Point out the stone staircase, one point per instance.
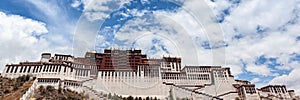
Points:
(93, 93)
(195, 92)
(226, 93)
(90, 91)
(30, 91)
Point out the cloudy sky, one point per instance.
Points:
(258, 39)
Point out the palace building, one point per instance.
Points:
(131, 73)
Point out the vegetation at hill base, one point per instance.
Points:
(50, 93)
(13, 89)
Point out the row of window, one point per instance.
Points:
(278, 89)
(27, 69)
(54, 68)
(118, 74)
(189, 76)
(81, 73)
(47, 81)
(220, 74)
(72, 84)
(199, 70)
(61, 58)
(250, 90)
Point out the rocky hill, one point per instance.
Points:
(50, 93)
(13, 89)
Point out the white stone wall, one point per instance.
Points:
(134, 86)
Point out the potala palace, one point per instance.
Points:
(131, 73)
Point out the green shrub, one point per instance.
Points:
(42, 90)
(6, 91)
(59, 90)
(109, 96)
(15, 87)
(130, 98)
(27, 77)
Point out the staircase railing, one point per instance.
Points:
(30, 91)
(92, 93)
(196, 92)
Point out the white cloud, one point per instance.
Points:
(99, 9)
(273, 43)
(76, 3)
(174, 33)
(49, 8)
(145, 33)
(259, 69)
(291, 80)
(59, 23)
(19, 39)
(23, 39)
(244, 20)
(254, 80)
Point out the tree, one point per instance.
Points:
(59, 90)
(171, 95)
(27, 77)
(33, 78)
(109, 96)
(42, 90)
(6, 91)
(130, 98)
(50, 88)
(16, 87)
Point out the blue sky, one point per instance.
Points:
(260, 38)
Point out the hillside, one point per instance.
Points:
(50, 93)
(13, 89)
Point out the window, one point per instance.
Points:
(56, 68)
(59, 68)
(16, 69)
(25, 69)
(8, 67)
(29, 67)
(12, 68)
(44, 68)
(21, 69)
(40, 67)
(65, 69)
(53, 68)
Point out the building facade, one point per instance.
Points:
(129, 72)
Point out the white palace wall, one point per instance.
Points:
(131, 85)
(148, 80)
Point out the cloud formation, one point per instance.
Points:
(21, 39)
(261, 37)
(255, 29)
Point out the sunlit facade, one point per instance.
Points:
(129, 72)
